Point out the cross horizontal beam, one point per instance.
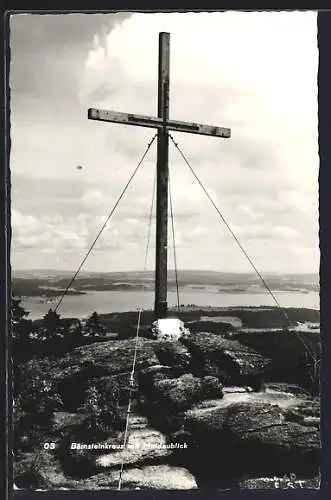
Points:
(154, 122)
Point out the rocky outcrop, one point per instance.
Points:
(179, 395)
(106, 363)
(206, 353)
(230, 361)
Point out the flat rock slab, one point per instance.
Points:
(234, 395)
(243, 419)
(234, 390)
(52, 477)
(157, 477)
(143, 445)
(288, 388)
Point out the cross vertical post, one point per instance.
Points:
(161, 254)
(163, 124)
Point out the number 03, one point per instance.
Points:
(49, 446)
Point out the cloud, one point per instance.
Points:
(70, 35)
(239, 73)
(93, 199)
(45, 234)
(55, 234)
(261, 232)
(198, 231)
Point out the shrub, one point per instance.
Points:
(35, 400)
(102, 411)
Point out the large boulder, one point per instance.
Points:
(252, 438)
(104, 364)
(277, 449)
(178, 394)
(165, 400)
(232, 362)
(149, 376)
(107, 358)
(175, 355)
(181, 393)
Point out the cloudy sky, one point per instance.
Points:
(253, 72)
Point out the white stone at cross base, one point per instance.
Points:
(169, 329)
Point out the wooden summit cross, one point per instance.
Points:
(163, 125)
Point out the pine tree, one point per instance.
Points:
(17, 311)
(21, 327)
(93, 326)
(51, 323)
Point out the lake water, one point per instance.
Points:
(80, 306)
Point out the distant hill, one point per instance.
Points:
(32, 282)
(184, 273)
